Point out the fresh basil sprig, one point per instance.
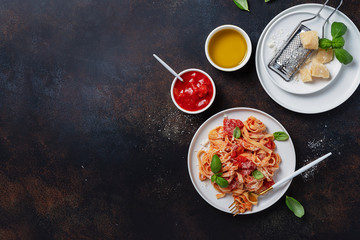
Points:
(257, 174)
(295, 206)
(280, 136)
(242, 4)
(237, 132)
(337, 43)
(215, 168)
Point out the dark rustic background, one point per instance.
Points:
(92, 147)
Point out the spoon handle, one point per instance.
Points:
(168, 67)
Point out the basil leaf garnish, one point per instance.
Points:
(242, 4)
(343, 56)
(295, 206)
(237, 132)
(325, 43)
(215, 164)
(257, 174)
(338, 42)
(219, 174)
(280, 136)
(213, 178)
(221, 182)
(338, 29)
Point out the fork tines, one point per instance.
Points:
(234, 208)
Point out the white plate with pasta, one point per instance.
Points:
(240, 158)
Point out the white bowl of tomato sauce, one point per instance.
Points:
(196, 93)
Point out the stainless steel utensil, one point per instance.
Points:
(289, 58)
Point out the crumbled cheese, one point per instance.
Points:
(205, 142)
(271, 44)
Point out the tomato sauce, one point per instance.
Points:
(195, 93)
(230, 125)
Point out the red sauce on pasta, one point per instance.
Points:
(230, 125)
(195, 93)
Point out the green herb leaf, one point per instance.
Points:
(257, 174)
(280, 136)
(325, 43)
(242, 4)
(215, 164)
(338, 42)
(222, 182)
(219, 174)
(343, 56)
(338, 29)
(237, 132)
(267, 0)
(295, 206)
(213, 178)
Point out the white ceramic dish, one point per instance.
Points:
(176, 79)
(248, 43)
(329, 97)
(285, 149)
(278, 33)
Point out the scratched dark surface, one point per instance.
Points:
(92, 147)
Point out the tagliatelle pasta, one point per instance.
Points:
(240, 157)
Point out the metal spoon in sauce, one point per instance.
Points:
(168, 68)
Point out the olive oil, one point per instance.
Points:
(227, 48)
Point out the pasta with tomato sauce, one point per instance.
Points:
(240, 157)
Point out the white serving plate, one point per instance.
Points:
(285, 149)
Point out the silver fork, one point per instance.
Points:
(234, 207)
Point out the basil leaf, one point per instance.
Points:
(237, 132)
(343, 56)
(222, 182)
(325, 43)
(213, 178)
(219, 174)
(257, 174)
(338, 29)
(338, 42)
(267, 0)
(295, 206)
(280, 136)
(242, 4)
(215, 164)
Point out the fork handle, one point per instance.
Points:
(297, 172)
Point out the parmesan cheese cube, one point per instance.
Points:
(309, 39)
(305, 75)
(324, 56)
(319, 70)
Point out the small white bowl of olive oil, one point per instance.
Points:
(228, 48)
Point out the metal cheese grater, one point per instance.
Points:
(292, 55)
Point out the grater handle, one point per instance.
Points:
(323, 26)
(316, 14)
